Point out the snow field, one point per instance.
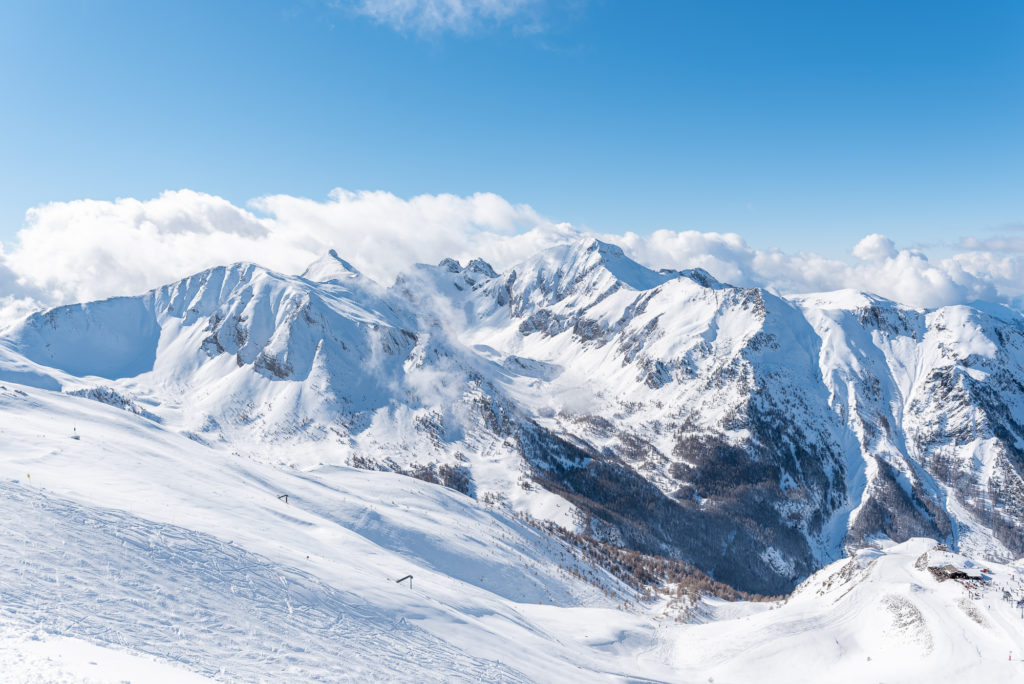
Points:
(140, 540)
(873, 618)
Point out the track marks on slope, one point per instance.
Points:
(109, 577)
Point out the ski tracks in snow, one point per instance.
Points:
(111, 578)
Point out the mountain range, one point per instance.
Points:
(754, 436)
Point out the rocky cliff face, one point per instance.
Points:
(754, 436)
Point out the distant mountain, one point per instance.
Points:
(754, 436)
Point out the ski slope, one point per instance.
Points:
(134, 538)
(132, 553)
(108, 575)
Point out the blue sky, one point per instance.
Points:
(801, 125)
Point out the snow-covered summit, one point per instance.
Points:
(584, 270)
(841, 299)
(330, 267)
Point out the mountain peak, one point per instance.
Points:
(330, 267)
(482, 267)
(450, 265)
(590, 253)
(592, 244)
(477, 266)
(699, 276)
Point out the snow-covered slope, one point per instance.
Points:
(132, 553)
(757, 437)
(133, 536)
(878, 616)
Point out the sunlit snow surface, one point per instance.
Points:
(877, 617)
(132, 553)
(138, 539)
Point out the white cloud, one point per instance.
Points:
(875, 247)
(906, 276)
(86, 249)
(383, 234)
(438, 16)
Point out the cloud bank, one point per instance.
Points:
(87, 249)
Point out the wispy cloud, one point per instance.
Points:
(87, 249)
(429, 17)
(998, 243)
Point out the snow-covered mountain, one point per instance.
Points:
(131, 553)
(756, 437)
